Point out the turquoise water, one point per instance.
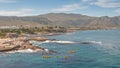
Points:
(104, 55)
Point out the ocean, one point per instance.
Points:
(81, 49)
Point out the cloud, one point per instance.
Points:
(117, 11)
(103, 3)
(8, 1)
(21, 12)
(107, 3)
(88, 0)
(67, 8)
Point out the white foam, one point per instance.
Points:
(66, 42)
(47, 41)
(63, 42)
(37, 42)
(46, 50)
(96, 42)
(25, 51)
(32, 41)
(22, 51)
(60, 42)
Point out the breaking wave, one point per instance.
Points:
(49, 41)
(23, 51)
(67, 42)
(63, 42)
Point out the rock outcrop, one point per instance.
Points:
(18, 44)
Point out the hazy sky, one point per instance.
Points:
(37, 7)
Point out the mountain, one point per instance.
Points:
(78, 20)
(61, 19)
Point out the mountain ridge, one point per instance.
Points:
(61, 19)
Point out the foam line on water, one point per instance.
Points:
(67, 42)
(64, 42)
(23, 51)
(49, 41)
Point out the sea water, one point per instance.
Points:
(102, 51)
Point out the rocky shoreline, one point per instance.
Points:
(20, 44)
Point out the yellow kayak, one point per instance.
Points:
(46, 56)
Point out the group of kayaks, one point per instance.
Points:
(65, 57)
